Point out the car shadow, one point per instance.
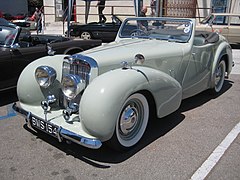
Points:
(103, 157)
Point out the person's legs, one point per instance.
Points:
(102, 18)
(100, 13)
(37, 27)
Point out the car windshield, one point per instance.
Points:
(7, 35)
(177, 30)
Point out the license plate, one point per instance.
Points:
(44, 126)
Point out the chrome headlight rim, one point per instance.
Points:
(72, 85)
(45, 76)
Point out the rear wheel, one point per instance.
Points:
(219, 76)
(132, 122)
(86, 35)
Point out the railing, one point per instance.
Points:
(108, 11)
(111, 11)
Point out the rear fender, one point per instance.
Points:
(104, 97)
(223, 49)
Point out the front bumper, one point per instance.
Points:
(62, 133)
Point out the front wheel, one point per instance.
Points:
(132, 122)
(219, 76)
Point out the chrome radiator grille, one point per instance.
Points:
(79, 68)
(84, 68)
(80, 65)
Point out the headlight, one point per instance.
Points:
(72, 85)
(45, 76)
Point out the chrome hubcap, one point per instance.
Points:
(85, 35)
(219, 76)
(128, 120)
(131, 119)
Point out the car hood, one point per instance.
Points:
(125, 50)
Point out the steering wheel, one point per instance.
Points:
(138, 32)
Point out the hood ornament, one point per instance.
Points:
(50, 50)
(125, 65)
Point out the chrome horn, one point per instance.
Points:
(49, 100)
(71, 109)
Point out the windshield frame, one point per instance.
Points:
(187, 23)
(10, 36)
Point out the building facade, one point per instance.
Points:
(56, 10)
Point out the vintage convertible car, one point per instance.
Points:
(95, 30)
(18, 49)
(105, 94)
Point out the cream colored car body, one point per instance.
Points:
(226, 24)
(171, 72)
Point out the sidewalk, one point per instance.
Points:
(53, 28)
(236, 59)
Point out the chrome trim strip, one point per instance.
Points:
(11, 87)
(86, 59)
(63, 133)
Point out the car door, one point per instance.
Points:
(22, 56)
(109, 30)
(197, 73)
(6, 69)
(105, 31)
(234, 29)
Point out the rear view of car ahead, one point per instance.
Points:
(105, 94)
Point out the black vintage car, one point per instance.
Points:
(97, 30)
(18, 50)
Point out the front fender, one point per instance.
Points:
(28, 90)
(104, 97)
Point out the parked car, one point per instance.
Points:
(27, 22)
(96, 30)
(20, 16)
(4, 22)
(17, 50)
(226, 24)
(105, 94)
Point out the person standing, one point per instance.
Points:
(143, 23)
(143, 11)
(153, 4)
(38, 19)
(101, 6)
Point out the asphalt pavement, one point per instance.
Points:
(199, 141)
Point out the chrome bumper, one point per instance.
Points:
(63, 133)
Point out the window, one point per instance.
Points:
(235, 21)
(220, 20)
